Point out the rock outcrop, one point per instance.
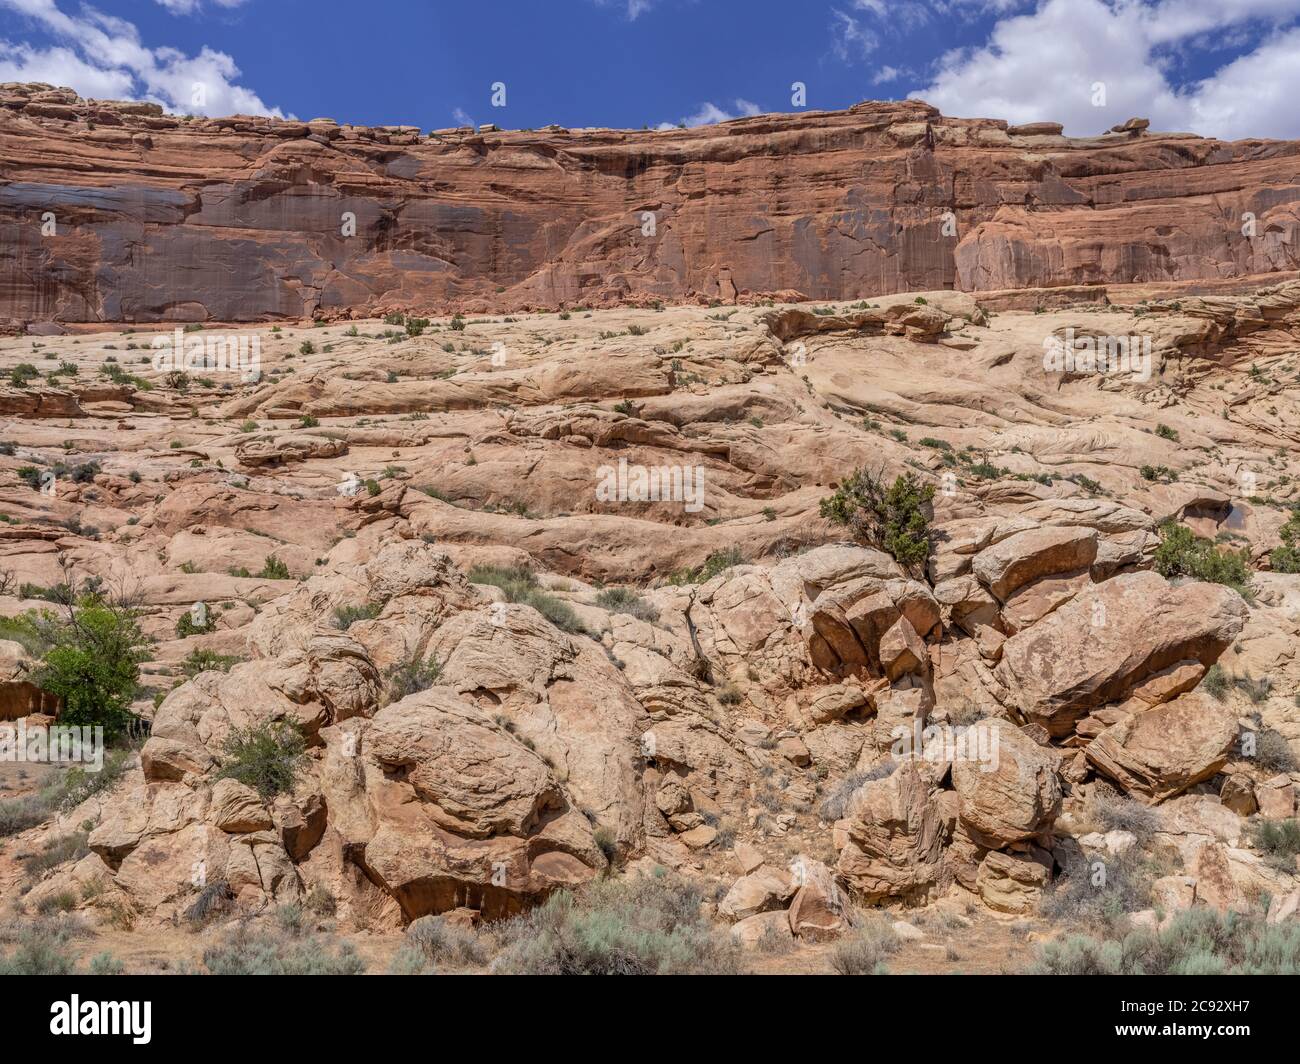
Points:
(253, 219)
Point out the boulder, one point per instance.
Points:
(902, 651)
(1238, 794)
(1109, 639)
(768, 932)
(1160, 753)
(1013, 795)
(896, 830)
(759, 892)
(238, 809)
(1012, 882)
(1033, 554)
(1276, 798)
(817, 912)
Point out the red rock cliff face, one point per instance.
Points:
(161, 218)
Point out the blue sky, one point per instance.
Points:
(1228, 68)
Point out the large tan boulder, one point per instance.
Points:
(471, 775)
(300, 819)
(1276, 798)
(19, 696)
(1030, 555)
(286, 448)
(1014, 793)
(901, 650)
(817, 911)
(769, 932)
(758, 892)
(966, 604)
(1110, 638)
(237, 808)
(896, 829)
(1012, 882)
(1161, 752)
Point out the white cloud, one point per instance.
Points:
(100, 55)
(849, 38)
(1173, 20)
(710, 114)
(59, 66)
(462, 117)
(633, 8)
(1044, 66)
(190, 7)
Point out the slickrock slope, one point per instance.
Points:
(741, 711)
(172, 218)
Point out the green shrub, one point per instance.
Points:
(865, 949)
(1078, 897)
(1166, 433)
(346, 616)
(651, 925)
(1183, 553)
(1114, 812)
(1279, 841)
(55, 852)
(106, 964)
(439, 942)
(43, 949)
(274, 569)
(1160, 474)
(1198, 941)
(1286, 558)
(93, 663)
(1215, 682)
(892, 517)
(266, 757)
(19, 814)
(67, 791)
(250, 950)
(625, 600)
(1272, 751)
(410, 677)
(187, 626)
(199, 661)
(714, 565)
(521, 585)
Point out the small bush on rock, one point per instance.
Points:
(266, 757)
(410, 677)
(521, 585)
(625, 600)
(1279, 841)
(1183, 553)
(892, 517)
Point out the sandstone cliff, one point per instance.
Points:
(171, 218)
